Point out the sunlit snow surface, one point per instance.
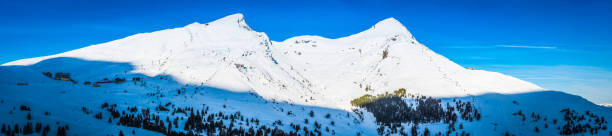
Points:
(227, 54)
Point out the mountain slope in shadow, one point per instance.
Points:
(106, 98)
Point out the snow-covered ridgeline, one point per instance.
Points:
(308, 70)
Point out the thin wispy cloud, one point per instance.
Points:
(502, 46)
(469, 47)
(478, 58)
(528, 46)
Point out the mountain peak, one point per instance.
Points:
(386, 27)
(389, 25)
(231, 20)
(233, 17)
(389, 22)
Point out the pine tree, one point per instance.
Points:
(311, 113)
(176, 122)
(27, 129)
(413, 130)
(16, 128)
(38, 127)
(46, 130)
(61, 131)
(169, 127)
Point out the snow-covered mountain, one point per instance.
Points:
(227, 54)
(228, 67)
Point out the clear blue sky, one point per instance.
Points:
(558, 44)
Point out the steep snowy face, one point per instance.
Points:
(383, 58)
(195, 54)
(307, 70)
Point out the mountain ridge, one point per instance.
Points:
(226, 53)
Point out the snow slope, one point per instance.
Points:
(65, 100)
(308, 70)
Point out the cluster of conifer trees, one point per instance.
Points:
(390, 110)
(30, 128)
(576, 123)
(204, 122)
(27, 129)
